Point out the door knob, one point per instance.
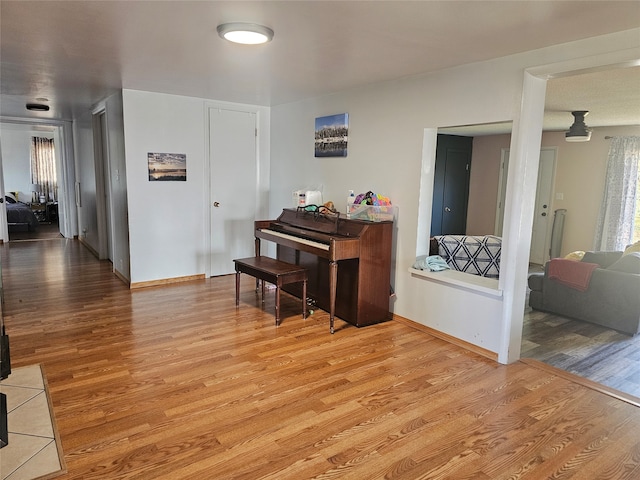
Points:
(447, 209)
(216, 204)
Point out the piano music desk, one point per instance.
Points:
(277, 272)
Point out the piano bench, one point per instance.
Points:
(273, 271)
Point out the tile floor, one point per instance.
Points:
(32, 451)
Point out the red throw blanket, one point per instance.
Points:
(571, 273)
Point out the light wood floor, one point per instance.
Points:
(175, 382)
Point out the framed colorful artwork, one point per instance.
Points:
(332, 134)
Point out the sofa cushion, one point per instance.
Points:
(577, 255)
(628, 263)
(604, 259)
(478, 255)
(634, 247)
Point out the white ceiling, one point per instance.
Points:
(74, 53)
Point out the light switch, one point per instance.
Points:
(559, 196)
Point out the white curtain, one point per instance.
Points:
(43, 168)
(614, 230)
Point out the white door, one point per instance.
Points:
(233, 183)
(543, 216)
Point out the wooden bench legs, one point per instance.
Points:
(273, 271)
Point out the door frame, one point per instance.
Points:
(65, 161)
(103, 186)
(502, 190)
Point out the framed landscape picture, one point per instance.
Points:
(167, 167)
(332, 134)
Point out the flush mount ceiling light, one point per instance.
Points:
(578, 132)
(245, 33)
(37, 107)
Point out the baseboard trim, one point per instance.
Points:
(447, 338)
(122, 278)
(612, 392)
(88, 247)
(166, 281)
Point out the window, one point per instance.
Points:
(618, 211)
(43, 169)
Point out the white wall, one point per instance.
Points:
(169, 221)
(386, 127)
(166, 227)
(484, 183)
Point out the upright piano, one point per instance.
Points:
(348, 261)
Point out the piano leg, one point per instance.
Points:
(257, 247)
(333, 281)
(237, 287)
(277, 304)
(304, 299)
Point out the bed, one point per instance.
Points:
(20, 214)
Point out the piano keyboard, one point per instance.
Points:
(311, 243)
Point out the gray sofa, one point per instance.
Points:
(612, 298)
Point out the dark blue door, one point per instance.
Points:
(451, 185)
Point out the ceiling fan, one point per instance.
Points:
(578, 132)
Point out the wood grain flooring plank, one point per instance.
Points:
(621, 465)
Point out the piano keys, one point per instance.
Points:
(348, 261)
(294, 239)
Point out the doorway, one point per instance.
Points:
(103, 186)
(542, 217)
(541, 232)
(30, 212)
